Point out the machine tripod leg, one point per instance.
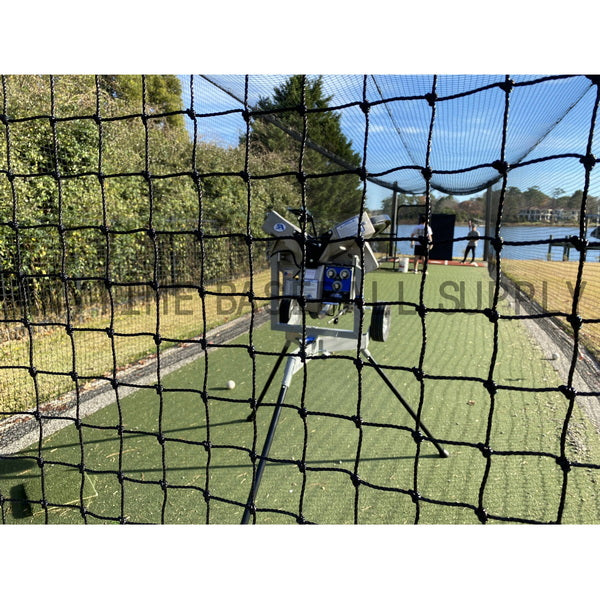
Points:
(270, 378)
(443, 453)
(292, 366)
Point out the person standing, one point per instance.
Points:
(472, 239)
(422, 240)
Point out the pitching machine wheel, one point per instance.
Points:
(285, 310)
(380, 323)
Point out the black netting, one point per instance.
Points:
(135, 281)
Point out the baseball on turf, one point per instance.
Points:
(230, 384)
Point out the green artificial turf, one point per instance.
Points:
(202, 470)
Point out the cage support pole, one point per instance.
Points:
(488, 225)
(394, 227)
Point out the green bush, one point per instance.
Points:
(90, 188)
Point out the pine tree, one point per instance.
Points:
(332, 198)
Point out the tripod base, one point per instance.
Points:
(293, 365)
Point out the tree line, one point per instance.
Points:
(516, 203)
(100, 178)
(90, 166)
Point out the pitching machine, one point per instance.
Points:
(315, 281)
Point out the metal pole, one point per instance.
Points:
(488, 224)
(393, 231)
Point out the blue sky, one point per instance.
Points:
(545, 119)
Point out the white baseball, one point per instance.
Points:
(230, 384)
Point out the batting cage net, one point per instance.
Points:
(299, 299)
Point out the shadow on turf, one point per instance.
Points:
(20, 464)
(21, 507)
(17, 497)
(128, 436)
(283, 463)
(16, 464)
(390, 271)
(287, 463)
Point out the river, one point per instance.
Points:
(512, 233)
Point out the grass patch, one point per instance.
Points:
(200, 470)
(552, 285)
(90, 352)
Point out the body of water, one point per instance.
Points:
(518, 233)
